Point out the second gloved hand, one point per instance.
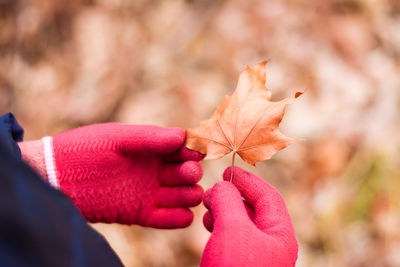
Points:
(253, 232)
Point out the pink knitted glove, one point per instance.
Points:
(256, 231)
(127, 174)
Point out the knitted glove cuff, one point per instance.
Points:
(50, 162)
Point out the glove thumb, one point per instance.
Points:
(226, 205)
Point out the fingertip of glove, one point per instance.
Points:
(187, 219)
(206, 198)
(179, 132)
(192, 154)
(175, 137)
(222, 190)
(191, 172)
(196, 192)
(179, 218)
(184, 154)
(165, 218)
(208, 221)
(227, 174)
(226, 203)
(222, 186)
(167, 140)
(237, 173)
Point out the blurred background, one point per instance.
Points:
(64, 64)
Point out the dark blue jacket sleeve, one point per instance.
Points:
(38, 225)
(12, 133)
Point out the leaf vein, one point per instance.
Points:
(215, 141)
(251, 130)
(252, 147)
(223, 132)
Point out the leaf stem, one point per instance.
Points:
(233, 164)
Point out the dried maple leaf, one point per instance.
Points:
(246, 123)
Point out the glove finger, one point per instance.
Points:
(183, 154)
(165, 218)
(187, 173)
(269, 207)
(150, 139)
(207, 199)
(180, 196)
(208, 221)
(227, 205)
(207, 204)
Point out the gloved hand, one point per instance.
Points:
(256, 231)
(127, 174)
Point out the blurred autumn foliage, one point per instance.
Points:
(69, 63)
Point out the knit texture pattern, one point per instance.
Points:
(257, 232)
(129, 174)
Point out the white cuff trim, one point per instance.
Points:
(49, 161)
